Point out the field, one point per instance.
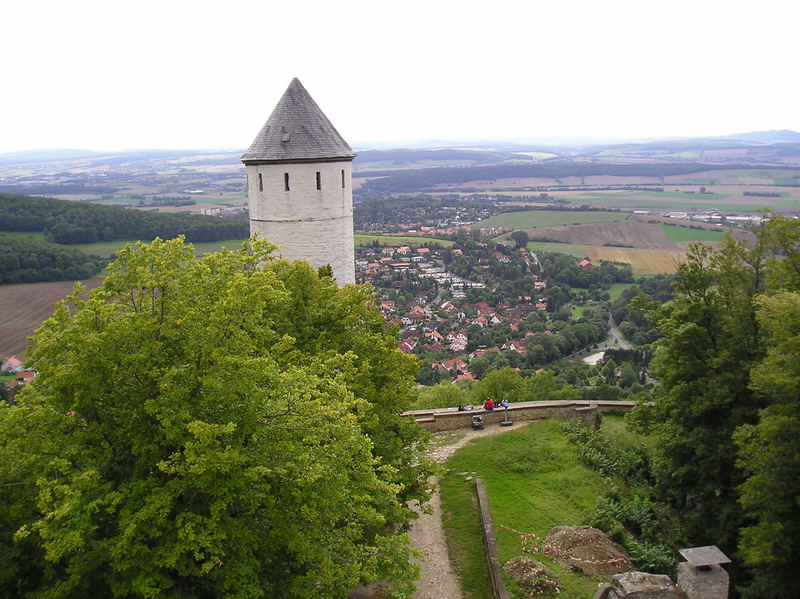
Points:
(533, 219)
(25, 307)
(560, 248)
(643, 261)
(391, 240)
(681, 234)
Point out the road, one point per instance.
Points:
(616, 338)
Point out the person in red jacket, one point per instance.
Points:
(488, 404)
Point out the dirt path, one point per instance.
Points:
(438, 580)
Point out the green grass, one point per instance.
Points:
(674, 233)
(616, 290)
(532, 219)
(614, 426)
(38, 235)
(534, 481)
(692, 195)
(561, 248)
(393, 241)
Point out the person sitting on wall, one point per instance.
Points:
(488, 404)
(504, 403)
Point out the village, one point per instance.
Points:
(479, 299)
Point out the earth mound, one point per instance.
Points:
(532, 577)
(587, 550)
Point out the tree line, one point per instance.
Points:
(27, 260)
(68, 222)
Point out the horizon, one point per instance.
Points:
(445, 71)
(422, 144)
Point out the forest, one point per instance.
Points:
(68, 222)
(25, 260)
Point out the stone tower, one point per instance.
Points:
(299, 185)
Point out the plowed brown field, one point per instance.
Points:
(633, 233)
(24, 307)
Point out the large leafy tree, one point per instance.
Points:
(711, 340)
(223, 426)
(727, 411)
(769, 453)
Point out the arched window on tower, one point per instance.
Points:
(286, 181)
(319, 181)
(342, 178)
(260, 182)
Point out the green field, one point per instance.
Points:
(391, 240)
(534, 481)
(532, 219)
(560, 248)
(616, 290)
(678, 234)
(38, 235)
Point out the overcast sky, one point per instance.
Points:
(194, 74)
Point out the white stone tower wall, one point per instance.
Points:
(306, 223)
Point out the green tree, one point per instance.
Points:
(443, 395)
(711, 340)
(521, 238)
(499, 385)
(223, 426)
(769, 452)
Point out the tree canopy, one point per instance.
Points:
(67, 222)
(223, 426)
(726, 411)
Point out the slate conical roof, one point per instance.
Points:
(297, 130)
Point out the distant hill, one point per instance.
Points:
(765, 137)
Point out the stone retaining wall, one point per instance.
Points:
(451, 419)
(490, 544)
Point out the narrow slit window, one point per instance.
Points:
(286, 181)
(319, 180)
(260, 182)
(342, 178)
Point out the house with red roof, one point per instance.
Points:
(11, 364)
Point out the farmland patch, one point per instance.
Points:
(686, 234)
(559, 248)
(534, 219)
(392, 240)
(643, 261)
(26, 307)
(631, 233)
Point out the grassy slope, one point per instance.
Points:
(393, 241)
(534, 482)
(531, 219)
(686, 234)
(561, 248)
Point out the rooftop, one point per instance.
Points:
(297, 130)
